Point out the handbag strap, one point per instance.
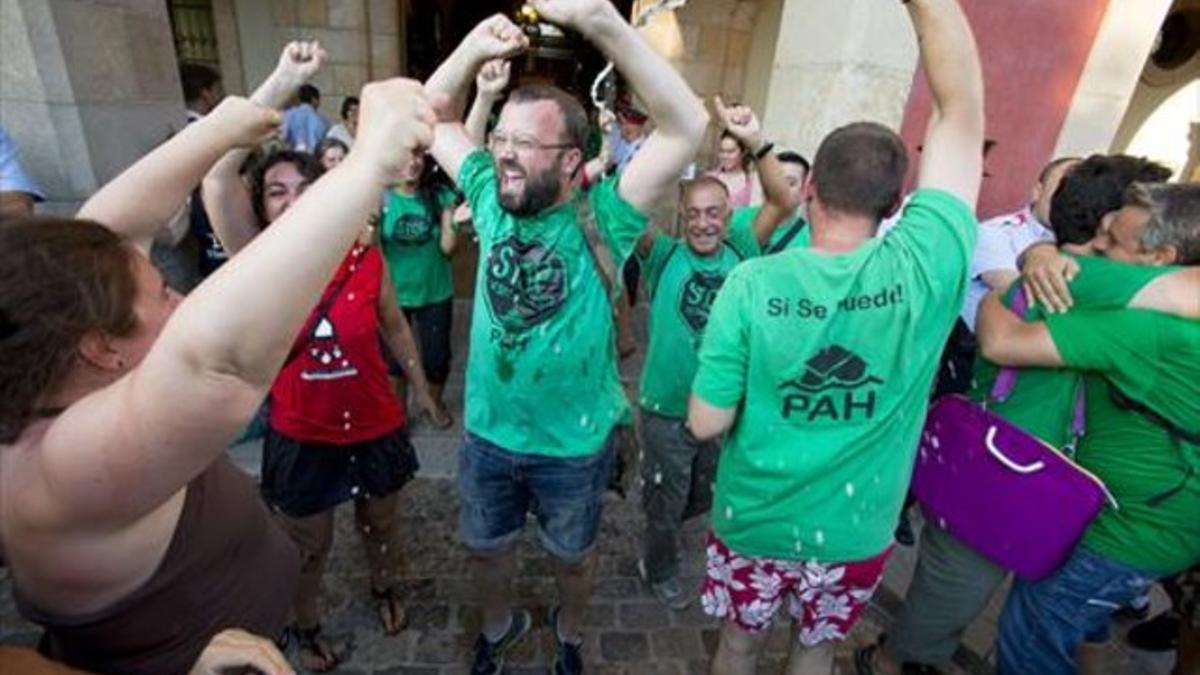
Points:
(1006, 379)
(1178, 436)
(321, 310)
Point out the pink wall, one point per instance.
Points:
(1033, 54)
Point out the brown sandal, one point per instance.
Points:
(315, 654)
(387, 606)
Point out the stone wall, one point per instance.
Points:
(86, 87)
(834, 63)
(709, 42)
(362, 38)
(806, 66)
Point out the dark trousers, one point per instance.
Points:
(678, 477)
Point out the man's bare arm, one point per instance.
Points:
(494, 38)
(679, 117)
(952, 158)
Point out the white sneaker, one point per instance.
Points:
(667, 591)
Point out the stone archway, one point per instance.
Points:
(1166, 101)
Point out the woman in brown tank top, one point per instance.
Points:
(129, 537)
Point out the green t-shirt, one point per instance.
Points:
(411, 239)
(793, 234)
(830, 358)
(1153, 359)
(682, 286)
(1043, 401)
(542, 374)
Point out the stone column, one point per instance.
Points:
(833, 63)
(86, 87)
(1110, 77)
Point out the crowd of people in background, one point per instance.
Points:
(302, 291)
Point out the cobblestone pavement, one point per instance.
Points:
(626, 632)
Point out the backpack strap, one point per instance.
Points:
(787, 238)
(1124, 402)
(598, 250)
(1006, 379)
(736, 253)
(675, 245)
(1178, 437)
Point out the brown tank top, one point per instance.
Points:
(228, 566)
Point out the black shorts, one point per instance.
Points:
(303, 479)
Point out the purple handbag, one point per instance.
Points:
(1010, 496)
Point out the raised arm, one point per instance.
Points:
(146, 196)
(489, 85)
(227, 199)
(778, 205)
(225, 343)
(679, 116)
(952, 158)
(494, 38)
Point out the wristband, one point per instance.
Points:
(764, 150)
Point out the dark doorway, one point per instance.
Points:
(435, 28)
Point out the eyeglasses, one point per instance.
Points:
(498, 142)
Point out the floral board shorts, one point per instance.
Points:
(824, 598)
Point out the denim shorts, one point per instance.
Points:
(1044, 623)
(498, 488)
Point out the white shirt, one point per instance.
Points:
(1001, 241)
(341, 133)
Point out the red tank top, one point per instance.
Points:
(335, 388)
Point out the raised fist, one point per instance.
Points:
(740, 121)
(299, 61)
(395, 121)
(497, 38)
(493, 77)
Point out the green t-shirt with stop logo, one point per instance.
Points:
(829, 360)
(682, 285)
(542, 370)
(411, 239)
